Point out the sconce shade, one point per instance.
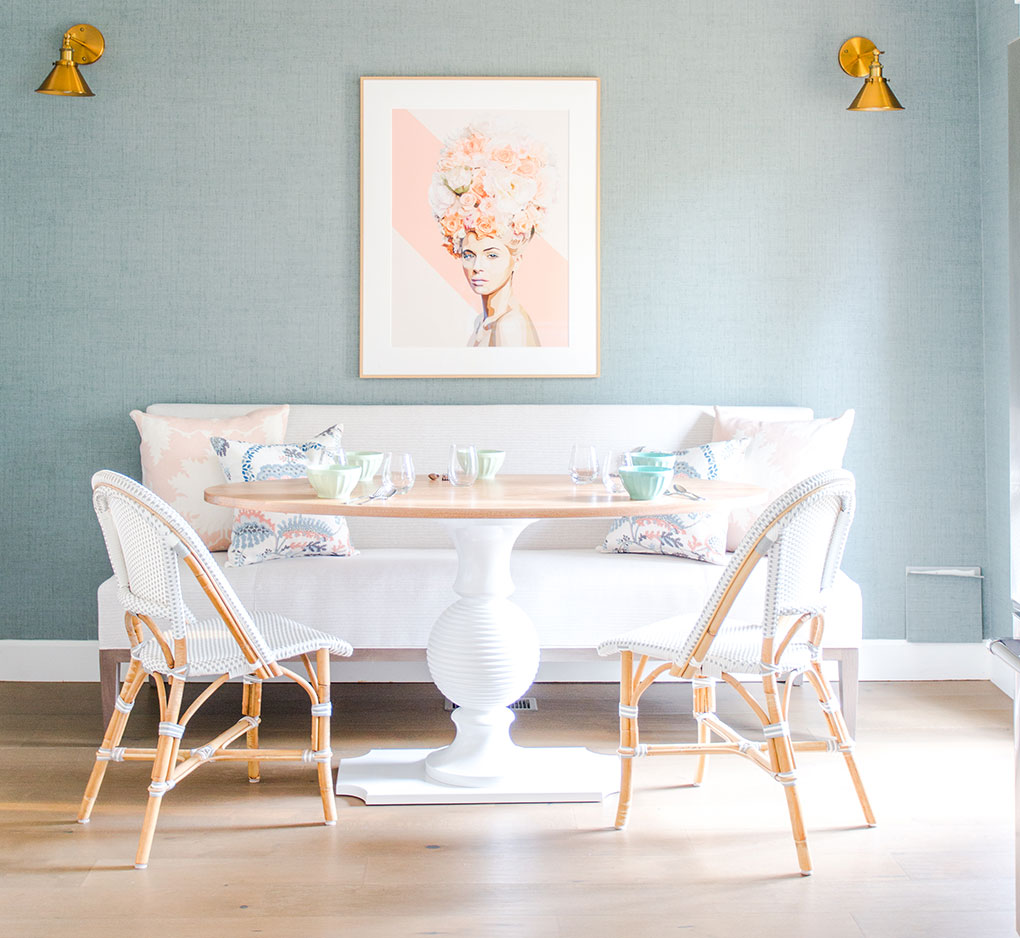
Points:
(65, 79)
(875, 95)
(859, 57)
(82, 45)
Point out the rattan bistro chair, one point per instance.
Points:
(802, 533)
(147, 540)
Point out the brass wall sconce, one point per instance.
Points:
(859, 57)
(83, 45)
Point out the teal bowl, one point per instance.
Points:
(645, 482)
(665, 460)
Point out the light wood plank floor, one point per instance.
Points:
(236, 859)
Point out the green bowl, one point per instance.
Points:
(368, 459)
(645, 482)
(334, 481)
(666, 460)
(489, 462)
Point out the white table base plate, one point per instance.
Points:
(397, 776)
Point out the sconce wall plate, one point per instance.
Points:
(855, 56)
(87, 43)
(82, 45)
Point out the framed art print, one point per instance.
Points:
(479, 227)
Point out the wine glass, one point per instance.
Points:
(463, 464)
(398, 471)
(584, 464)
(615, 459)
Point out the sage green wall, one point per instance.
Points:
(191, 234)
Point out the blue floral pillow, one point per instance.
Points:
(268, 535)
(692, 535)
(251, 462)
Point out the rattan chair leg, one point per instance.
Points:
(628, 738)
(704, 702)
(799, 834)
(837, 726)
(321, 737)
(251, 705)
(114, 732)
(163, 763)
(784, 767)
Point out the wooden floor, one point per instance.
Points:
(236, 859)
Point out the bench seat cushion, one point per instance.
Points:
(389, 597)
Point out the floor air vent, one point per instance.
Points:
(525, 703)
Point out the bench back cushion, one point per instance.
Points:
(536, 437)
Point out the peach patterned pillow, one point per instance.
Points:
(781, 453)
(178, 463)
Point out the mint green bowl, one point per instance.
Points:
(666, 460)
(490, 461)
(334, 481)
(645, 482)
(369, 460)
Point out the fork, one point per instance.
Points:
(382, 493)
(685, 493)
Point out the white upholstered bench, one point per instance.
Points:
(385, 599)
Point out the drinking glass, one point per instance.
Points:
(398, 470)
(584, 464)
(463, 464)
(319, 457)
(611, 471)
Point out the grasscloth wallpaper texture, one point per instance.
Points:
(191, 234)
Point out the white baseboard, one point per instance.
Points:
(881, 660)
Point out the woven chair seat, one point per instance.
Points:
(736, 649)
(213, 650)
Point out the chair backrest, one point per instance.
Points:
(803, 534)
(146, 540)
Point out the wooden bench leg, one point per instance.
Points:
(848, 662)
(109, 683)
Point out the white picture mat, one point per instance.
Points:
(380, 97)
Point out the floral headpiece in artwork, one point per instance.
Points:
(496, 185)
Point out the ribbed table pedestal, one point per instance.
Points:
(483, 655)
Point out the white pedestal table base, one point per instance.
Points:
(483, 655)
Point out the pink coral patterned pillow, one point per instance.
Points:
(781, 453)
(178, 463)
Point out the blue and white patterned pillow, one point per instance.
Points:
(692, 535)
(269, 535)
(251, 462)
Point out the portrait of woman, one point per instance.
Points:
(490, 193)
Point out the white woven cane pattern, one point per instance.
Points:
(152, 576)
(798, 563)
(212, 649)
(808, 526)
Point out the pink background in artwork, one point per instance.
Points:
(541, 282)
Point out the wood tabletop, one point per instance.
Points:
(506, 496)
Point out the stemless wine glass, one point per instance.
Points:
(611, 465)
(584, 464)
(398, 470)
(463, 464)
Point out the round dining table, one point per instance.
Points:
(482, 651)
